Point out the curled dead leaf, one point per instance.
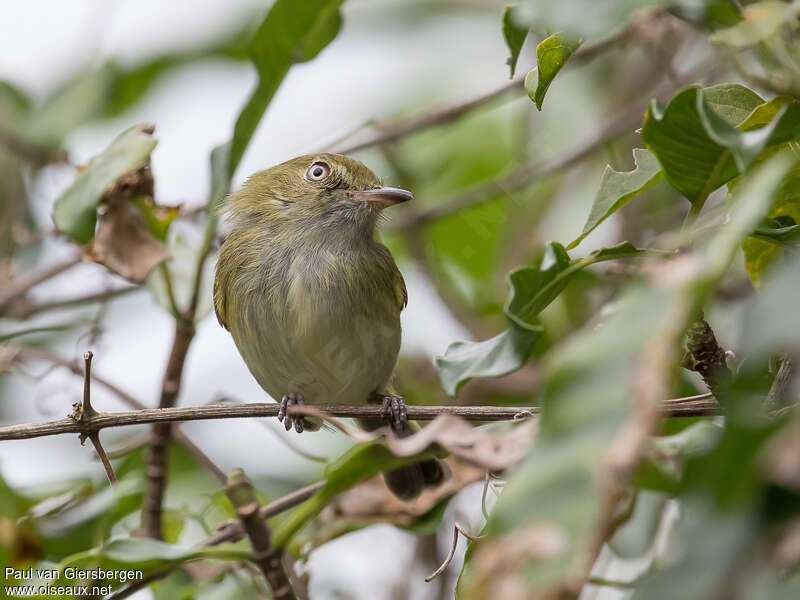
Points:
(124, 244)
(129, 239)
(482, 448)
(370, 502)
(478, 446)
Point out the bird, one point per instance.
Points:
(312, 299)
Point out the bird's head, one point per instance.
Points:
(329, 190)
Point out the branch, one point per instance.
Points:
(30, 151)
(243, 497)
(625, 121)
(231, 531)
(19, 310)
(83, 414)
(392, 132)
(21, 353)
(692, 406)
(18, 288)
(456, 530)
(156, 462)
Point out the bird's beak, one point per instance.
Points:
(383, 196)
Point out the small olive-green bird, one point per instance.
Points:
(312, 299)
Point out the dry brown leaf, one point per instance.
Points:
(482, 448)
(123, 242)
(478, 446)
(124, 245)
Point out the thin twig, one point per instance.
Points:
(623, 122)
(694, 406)
(391, 132)
(228, 532)
(157, 455)
(22, 353)
(20, 311)
(20, 287)
(84, 413)
(243, 497)
(456, 530)
(160, 434)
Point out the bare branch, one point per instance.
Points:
(18, 288)
(243, 497)
(20, 310)
(624, 121)
(21, 353)
(83, 415)
(229, 532)
(156, 462)
(392, 132)
(693, 406)
(456, 530)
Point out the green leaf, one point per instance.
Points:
(293, 32)
(760, 21)
(157, 218)
(636, 536)
(699, 150)
(514, 35)
(75, 211)
(533, 288)
(149, 555)
(87, 521)
(733, 102)
(495, 357)
(746, 146)
(360, 462)
(551, 55)
(763, 247)
(173, 522)
(555, 492)
(618, 188)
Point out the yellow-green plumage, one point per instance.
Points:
(311, 299)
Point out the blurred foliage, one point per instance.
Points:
(707, 508)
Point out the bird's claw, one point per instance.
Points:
(393, 409)
(288, 419)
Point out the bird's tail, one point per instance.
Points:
(408, 482)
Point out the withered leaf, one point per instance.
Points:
(125, 245)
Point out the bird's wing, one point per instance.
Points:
(219, 298)
(400, 289)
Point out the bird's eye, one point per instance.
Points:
(318, 171)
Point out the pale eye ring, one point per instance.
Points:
(318, 171)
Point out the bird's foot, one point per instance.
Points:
(393, 409)
(288, 419)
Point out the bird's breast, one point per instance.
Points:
(324, 323)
